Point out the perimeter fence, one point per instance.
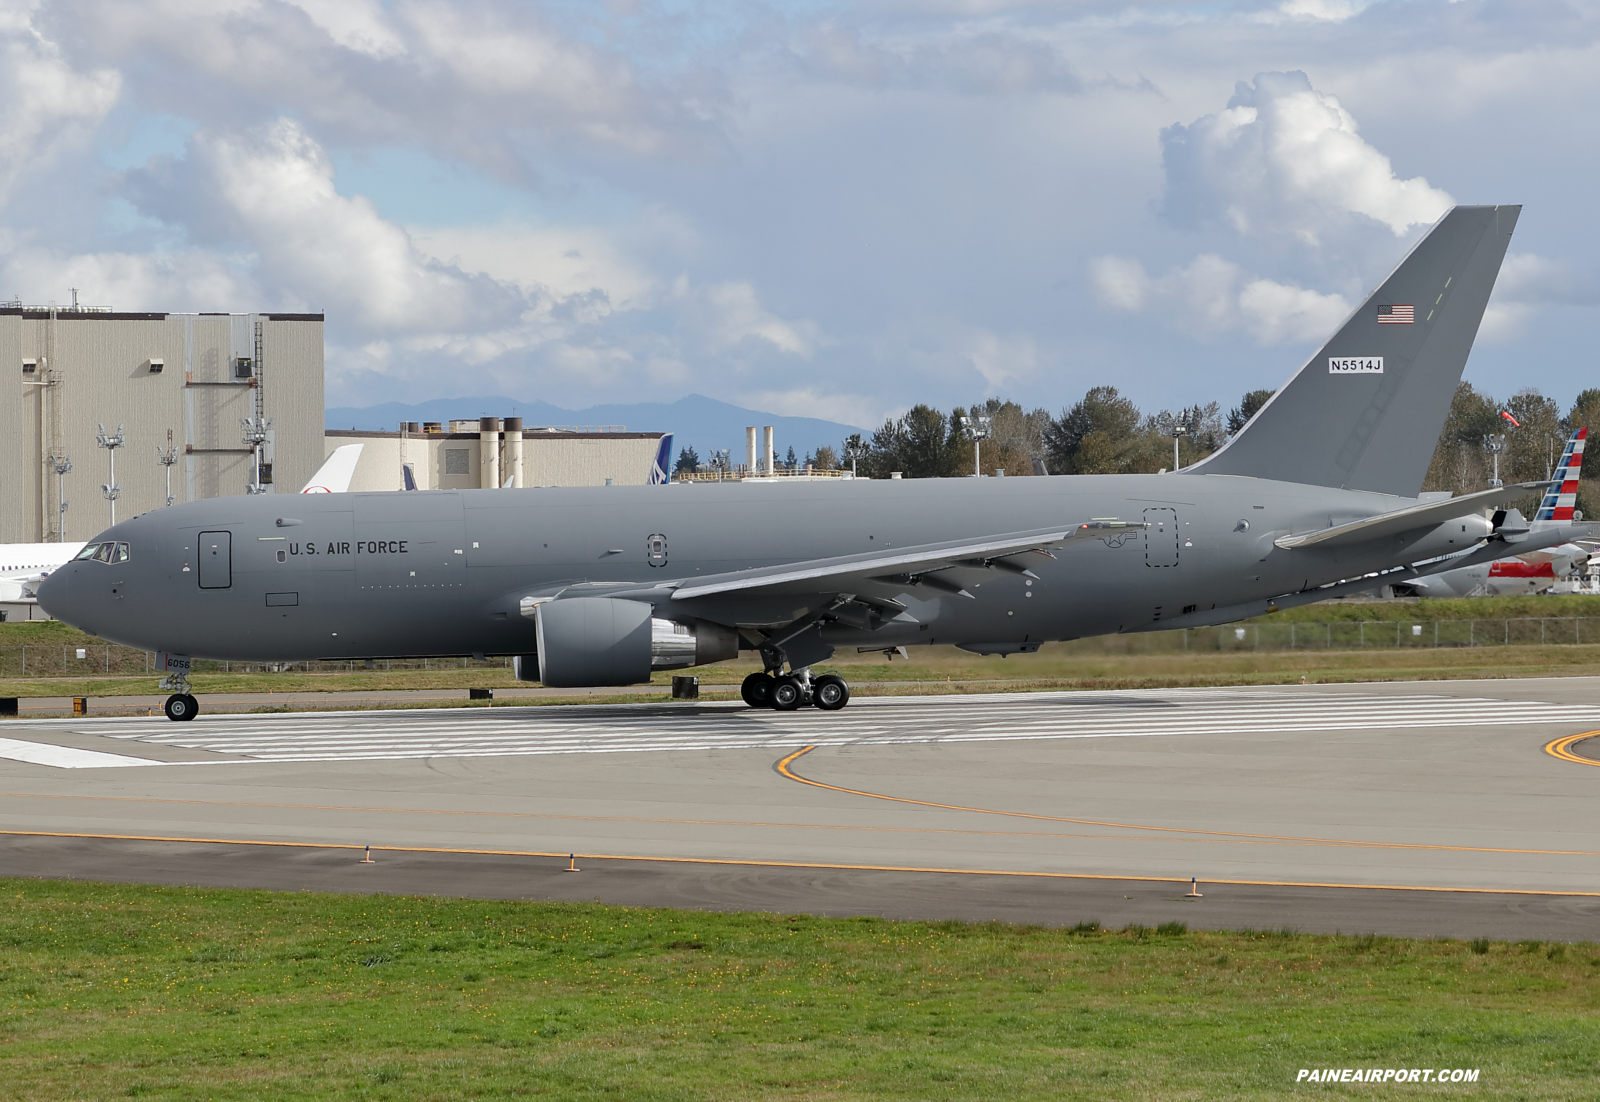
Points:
(104, 658)
(108, 658)
(1352, 635)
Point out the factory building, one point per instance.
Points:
(492, 452)
(172, 387)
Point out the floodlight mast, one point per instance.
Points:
(167, 457)
(1175, 425)
(1495, 444)
(854, 448)
(979, 427)
(111, 442)
(62, 466)
(255, 435)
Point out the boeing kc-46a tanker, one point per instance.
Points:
(1318, 495)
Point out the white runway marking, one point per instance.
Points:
(64, 757)
(351, 736)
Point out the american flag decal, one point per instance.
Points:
(1396, 315)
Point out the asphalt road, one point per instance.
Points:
(1426, 809)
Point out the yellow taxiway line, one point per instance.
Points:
(783, 769)
(822, 865)
(1562, 748)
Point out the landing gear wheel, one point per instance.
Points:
(757, 690)
(787, 695)
(830, 693)
(181, 707)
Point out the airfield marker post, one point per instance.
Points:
(1194, 889)
(572, 863)
(366, 858)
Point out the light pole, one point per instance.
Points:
(1176, 426)
(255, 435)
(111, 443)
(979, 427)
(62, 467)
(854, 448)
(167, 457)
(1494, 444)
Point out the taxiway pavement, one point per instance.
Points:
(1411, 808)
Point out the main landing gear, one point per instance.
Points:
(787, 692)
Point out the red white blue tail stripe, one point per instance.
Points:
(1563, 492)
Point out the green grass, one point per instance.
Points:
(115, 991)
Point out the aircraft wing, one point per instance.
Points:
(909, 565)
(1426, 515)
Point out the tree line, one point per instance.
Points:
(1104, 432)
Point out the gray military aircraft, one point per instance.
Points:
(1317, 496)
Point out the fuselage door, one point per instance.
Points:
(1161, 537)
(216, 560)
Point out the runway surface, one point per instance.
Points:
(1420, 808)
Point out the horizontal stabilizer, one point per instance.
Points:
(1427, 515)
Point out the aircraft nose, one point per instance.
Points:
(55, 595)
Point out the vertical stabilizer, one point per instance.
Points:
(1365, 412)
(661, 467)
(1556, 508)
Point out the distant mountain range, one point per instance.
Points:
(696, 421)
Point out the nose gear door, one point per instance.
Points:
(1161, 537)
(216, 560)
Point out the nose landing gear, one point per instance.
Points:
(792, 691)
(181, 706)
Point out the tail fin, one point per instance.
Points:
(661, 466)
(333, 477)
(1365, 412)
(1563, 492)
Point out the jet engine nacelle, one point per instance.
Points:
(589, 641)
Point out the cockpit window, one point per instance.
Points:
(104, 552)
(121, 554)
(88, 552)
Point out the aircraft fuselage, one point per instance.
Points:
(457, 572)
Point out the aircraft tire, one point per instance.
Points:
(181, 707)
(757, 690)
(787, 695)
(830, 693)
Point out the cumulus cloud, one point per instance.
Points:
(733, 314)
(985, 63)
(192, 279)
(1002, 361)
(846, 408)
(1284, 158)
(272, 187)
(45, 102)
(1211, 296)
(1529, 283)
(486, 82)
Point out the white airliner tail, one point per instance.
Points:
(336, 472)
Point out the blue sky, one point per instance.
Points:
(821, 209)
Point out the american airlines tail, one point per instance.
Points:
(1365, 412)
(1557, 507)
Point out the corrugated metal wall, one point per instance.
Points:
(102, 375)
